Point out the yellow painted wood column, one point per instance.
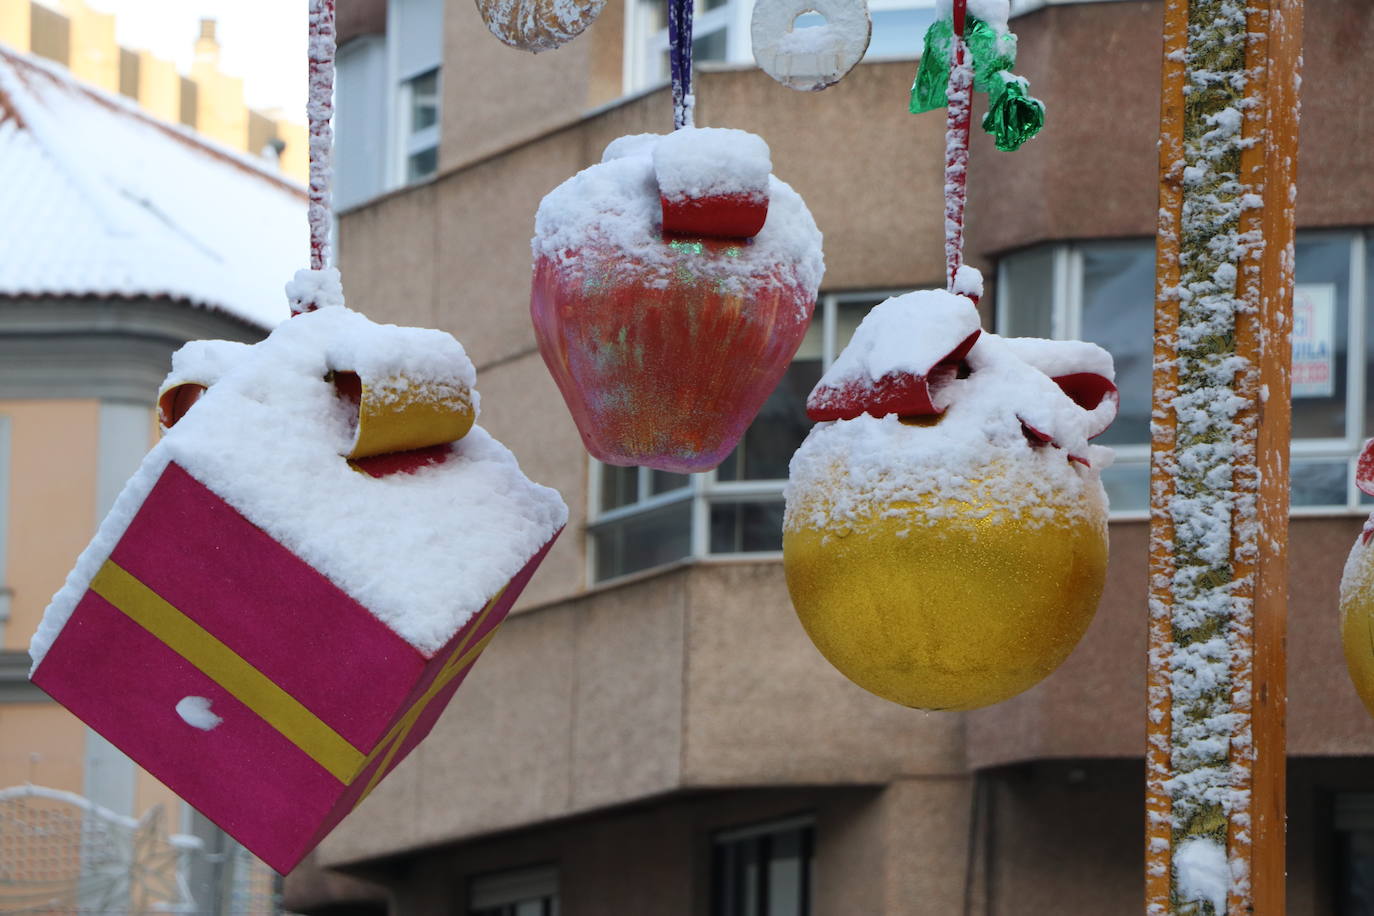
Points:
(1219, 458)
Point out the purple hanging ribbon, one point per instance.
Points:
(680, 59)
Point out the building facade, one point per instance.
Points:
(123, 237)
(652, 732)
(206, 100)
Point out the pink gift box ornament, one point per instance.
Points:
(299, 576)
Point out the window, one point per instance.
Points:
(1104, 292)
(720, 32)
(526, 892)
(387, 100)
(415, 38)
(763, 870)
(1354, 823)
(641, 518)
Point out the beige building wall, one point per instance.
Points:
(15, 24)
(94, 53)
(221, 113)
(53, 461)
(159, 87)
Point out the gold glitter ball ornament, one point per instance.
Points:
(1357, 619)
(951, 599)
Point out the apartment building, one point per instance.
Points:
(206, 100)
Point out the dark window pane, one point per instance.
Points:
(1318, 482)
(1128, 487)
(1357, 873)
(619, 486)
(746, 527)
(422, 164)
(424, 101)
(770, 441)
(710, 46)
(763, 874)
(665, 481)
(848, 315)
(642, 541)
(1028, 291)
(1118, 315)
(1320, 310)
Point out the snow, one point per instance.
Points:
(904, 334)
(615, 205)
(696, 162)
(422, 551)
(1202, 873)
(810, 58)
(968, 281)
(195, 712)
(965, 454)
(319, 108)
(102, 200)
(312, 289)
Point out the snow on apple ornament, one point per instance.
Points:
(301, 573)
(1357, 593)
(945, 535)
(673, 282)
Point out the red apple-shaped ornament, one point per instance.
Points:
(673, 283)
(945, 538)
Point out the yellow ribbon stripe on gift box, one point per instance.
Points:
(261, 694)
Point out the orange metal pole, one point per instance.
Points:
(1219, 470)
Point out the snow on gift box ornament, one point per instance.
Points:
(945, 534)
(673, 282)
(299, 576)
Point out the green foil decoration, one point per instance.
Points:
(1013, 116)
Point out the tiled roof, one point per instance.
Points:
(99, 199)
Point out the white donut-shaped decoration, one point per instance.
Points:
(538, 25)
(810, 59)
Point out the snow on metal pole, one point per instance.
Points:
(958, 119)
(319, 286)
(1219, 459)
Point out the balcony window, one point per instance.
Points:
(1104, 292)
(641, 518)
(764, 870)
(522, 892)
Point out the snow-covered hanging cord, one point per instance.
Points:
(680, 61)
(319, 286)
(958, 120)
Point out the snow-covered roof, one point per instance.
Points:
(99, 199)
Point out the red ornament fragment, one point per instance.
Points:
(673, 282)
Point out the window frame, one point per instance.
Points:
(509, 888)
(1067, 322)
(805, 824)
(703, 489)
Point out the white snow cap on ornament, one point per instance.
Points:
(910, 334)
(1010, 380)
(994, 12)
(812, 57)
(694, 162)
(615, 204)
(422, 551)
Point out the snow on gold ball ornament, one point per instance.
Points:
(945, 538)
(1357, 594)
